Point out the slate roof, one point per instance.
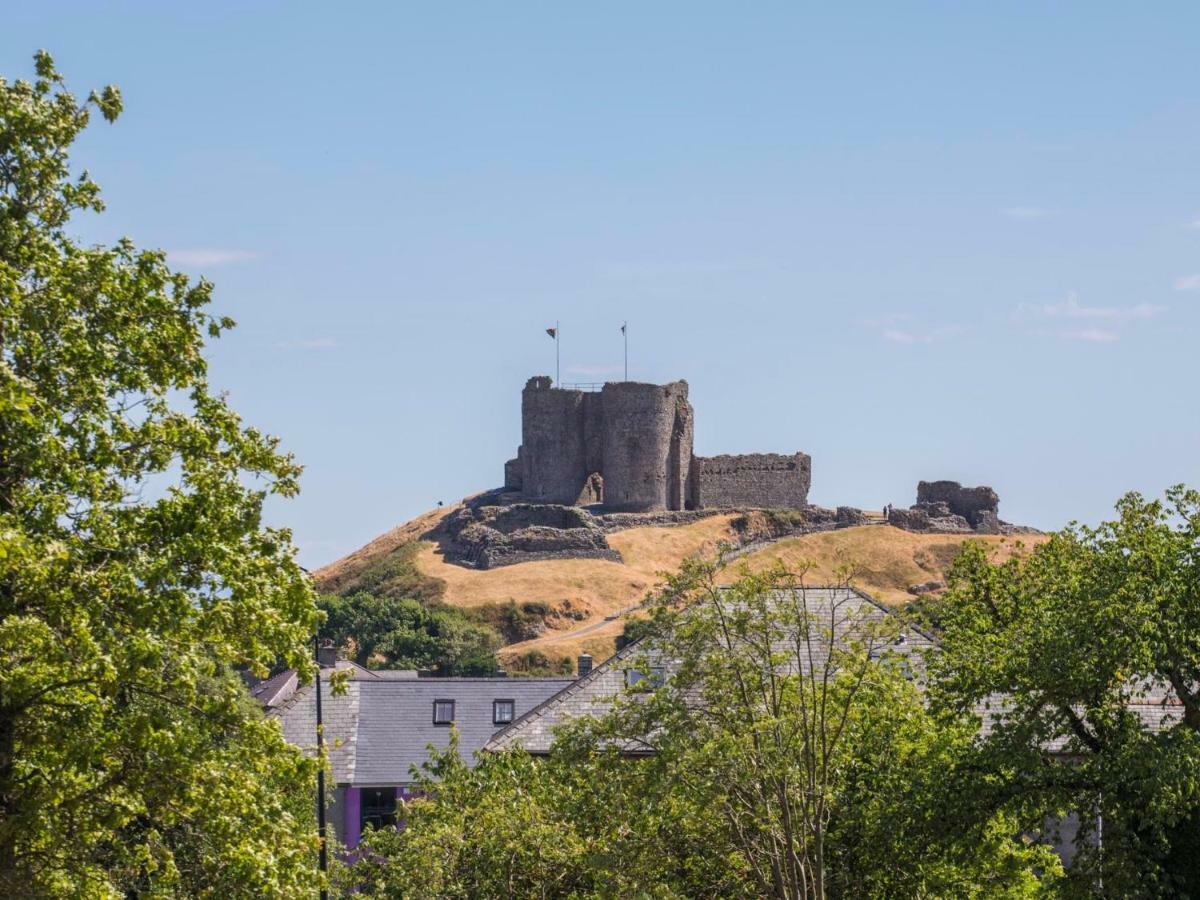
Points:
(298, 718)
(1156, 705)
(1158, 710)
(275, 690)
(593, 693)
(381, 727)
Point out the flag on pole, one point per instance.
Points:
(622, 329)
(553, 332)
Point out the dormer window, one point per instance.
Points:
(503, 711)
(443, 712)
(655, 679)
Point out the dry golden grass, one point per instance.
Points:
(597, 585)
(885, 561)
(333, 576)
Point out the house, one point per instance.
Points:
(592, 694)
(1155, 705)
(380, 729)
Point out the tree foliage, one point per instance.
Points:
(788, 753)
(1079, 649)
(135, 569)
(404, 634)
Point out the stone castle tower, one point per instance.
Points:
(628, 447)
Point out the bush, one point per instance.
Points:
(404, 634)
(396, 576)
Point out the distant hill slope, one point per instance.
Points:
(586, 599)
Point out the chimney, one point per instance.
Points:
(585, 664)
(326, 654)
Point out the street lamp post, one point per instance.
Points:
(323, 861)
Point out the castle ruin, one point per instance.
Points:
(628, 448)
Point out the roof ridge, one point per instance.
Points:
(570, 690)
(580, 683)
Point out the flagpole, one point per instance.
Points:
(625, 334)
(557, 332)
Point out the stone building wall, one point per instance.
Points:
(768, 480)
(629, 446)
(552, 456)
(647, 445)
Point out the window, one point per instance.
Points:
(655, 680)
(443, 712)
(503, 711)
(378, 808)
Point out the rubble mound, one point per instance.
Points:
(947, 507)
(482, 535)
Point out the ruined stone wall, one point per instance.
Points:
(629, 447)
(514, 473)
(647, 445)
(978, 505)
(767, 480)
(553, 454)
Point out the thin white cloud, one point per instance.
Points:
(1071, 308)
(921, 336)
(900, 328)
(1095, 324)
(323, 343)
(1092, 335)
(1188, 283)
(886, 321)
(1195, 223)
(1026, 212)
(210, 256)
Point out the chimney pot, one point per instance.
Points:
(326, 654)
(585, 664)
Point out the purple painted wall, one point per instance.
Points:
(353, 819)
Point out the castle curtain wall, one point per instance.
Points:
(755, 479)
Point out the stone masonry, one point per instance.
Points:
(769, 480)
(947, 506)
(628, 447)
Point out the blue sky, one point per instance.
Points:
(938, 240)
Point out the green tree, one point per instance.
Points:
(794, 713)
(772, 761)
(1086, 653)
(581, 823)
(404, 634)
(135, 569)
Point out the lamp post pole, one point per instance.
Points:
(323, 860)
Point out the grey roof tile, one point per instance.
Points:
(593, 693)
(382, 726)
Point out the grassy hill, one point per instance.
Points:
(581, 603)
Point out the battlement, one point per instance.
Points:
(628, 447)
